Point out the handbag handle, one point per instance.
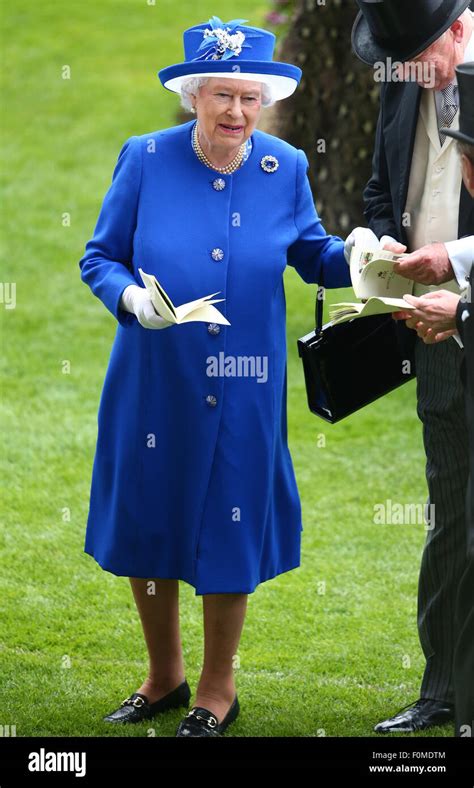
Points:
(319, 309)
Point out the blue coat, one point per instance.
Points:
(192, 476)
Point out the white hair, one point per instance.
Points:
(191, 86)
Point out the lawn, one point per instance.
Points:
(327, 649)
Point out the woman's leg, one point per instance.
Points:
(224, 616)
(159, 614)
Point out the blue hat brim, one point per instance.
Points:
(283, 78)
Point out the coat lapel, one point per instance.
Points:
(407, 123)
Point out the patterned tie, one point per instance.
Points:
(449, 109)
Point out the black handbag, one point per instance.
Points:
(348, 366)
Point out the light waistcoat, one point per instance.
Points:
(434, 188)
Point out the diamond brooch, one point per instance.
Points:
(269, 164)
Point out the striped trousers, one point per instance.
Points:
(441, 408)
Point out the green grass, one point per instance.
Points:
(72, 645)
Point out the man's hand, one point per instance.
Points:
(429, 265)
(434, 316)
(431, 338)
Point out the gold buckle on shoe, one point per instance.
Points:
(137, 702)
(211, 722)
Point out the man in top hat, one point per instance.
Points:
(415, 200)
(464, 652)
(438, 315)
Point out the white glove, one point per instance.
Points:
(362, 237)
(137, 301)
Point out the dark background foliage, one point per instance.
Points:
(337, 102)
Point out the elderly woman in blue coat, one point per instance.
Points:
(192, 477)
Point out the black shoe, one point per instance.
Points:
(201, 722)
(417, 716)
(137, 707)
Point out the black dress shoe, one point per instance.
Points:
(417, 716)
(137, 707)
(201, 722)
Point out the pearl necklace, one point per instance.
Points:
(229, 168)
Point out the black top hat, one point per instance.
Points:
(401, 29)
(465, 75)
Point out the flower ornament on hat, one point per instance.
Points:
(219, 42)
(232, 50)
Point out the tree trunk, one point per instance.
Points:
(333, 114)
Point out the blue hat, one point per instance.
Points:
(236, 52)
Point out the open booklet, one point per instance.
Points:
(380, 289)
(200, 310)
